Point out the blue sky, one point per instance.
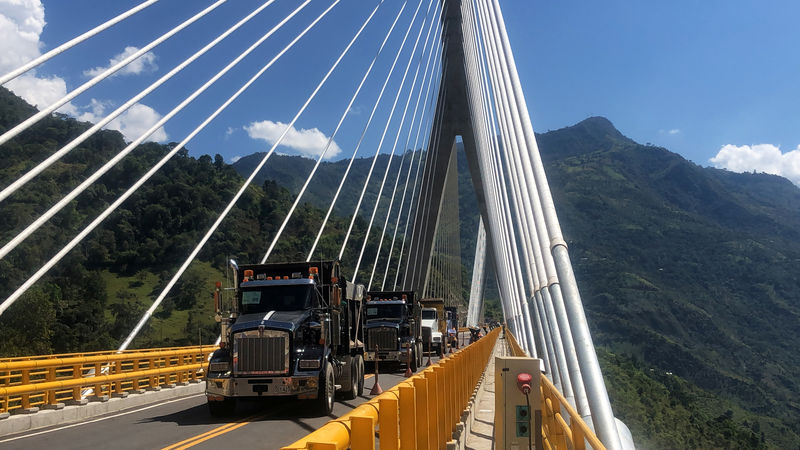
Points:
(707, 80)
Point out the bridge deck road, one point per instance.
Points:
(185, 422)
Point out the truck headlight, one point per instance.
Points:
(309, 364)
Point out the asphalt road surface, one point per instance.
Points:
(186, 422)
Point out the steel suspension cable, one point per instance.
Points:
(105, 74)
(522, 202)
(380, 144)
(496, 220)
(430, 153)
(394, 145)
(10, 189)
(73, 42)
(338, 125)
(41, 272)
(363, 133)
(247, 182)
(24, 234)
(496, 225)
(423, 158)
(405, 152)
(411, 165)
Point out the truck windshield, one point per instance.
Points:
(276, 298)
(386, 312)
(429, 314)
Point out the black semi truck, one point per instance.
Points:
(292, 330)
(393, 328)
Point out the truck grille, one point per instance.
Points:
(265, 354)
(384, 338)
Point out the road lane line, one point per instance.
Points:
(100, 419)
(211, 436)
(219, 428)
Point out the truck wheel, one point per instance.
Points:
(361, 370)
(353, 392)
(327, 389)
(420, 356)
(413, 361)
(223, 408)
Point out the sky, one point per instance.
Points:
(715, 81)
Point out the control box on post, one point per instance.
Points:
(517, 403)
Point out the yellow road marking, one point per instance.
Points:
(228, 427)
(194, 440)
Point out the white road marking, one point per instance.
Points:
(100, 419)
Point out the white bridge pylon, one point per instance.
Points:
(478, 99)
(481, 101)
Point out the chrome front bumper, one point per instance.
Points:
(303, 386)
(386, 356)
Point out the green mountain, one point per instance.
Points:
(684, 270)
(93, 298)
(688, 270)
(688, 274)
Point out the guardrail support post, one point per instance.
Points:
(441, 401)
(433, 408)
(408, 425)
(421, 397)
(387, 422)
(362, 433)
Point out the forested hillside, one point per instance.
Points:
(93, 298)
(689, 275)
(684, 270)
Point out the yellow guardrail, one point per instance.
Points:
(49, 380)
(420, 412)
(556, 432)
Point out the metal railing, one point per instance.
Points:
(420, 412)
(44, 381)
(556, 432)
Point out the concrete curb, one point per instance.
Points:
(18, 423)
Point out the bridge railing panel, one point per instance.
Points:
(415, 413)
(27, 383)
(557, 432)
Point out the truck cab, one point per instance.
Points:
(392, 328)
(430, 326)
(291, 331)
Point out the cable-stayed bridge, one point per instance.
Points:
(432, 74)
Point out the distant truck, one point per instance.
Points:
(392, 328)
(433, 323)
(292, 330)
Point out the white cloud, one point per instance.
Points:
(674, 131)
(132, 123)
(306, 142)
(761, 158)
(41, 92)
(21, 25)
(235, 158)
(229, 131)
(143, 64)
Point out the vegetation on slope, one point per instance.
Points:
(688, 274)
(93, 298)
